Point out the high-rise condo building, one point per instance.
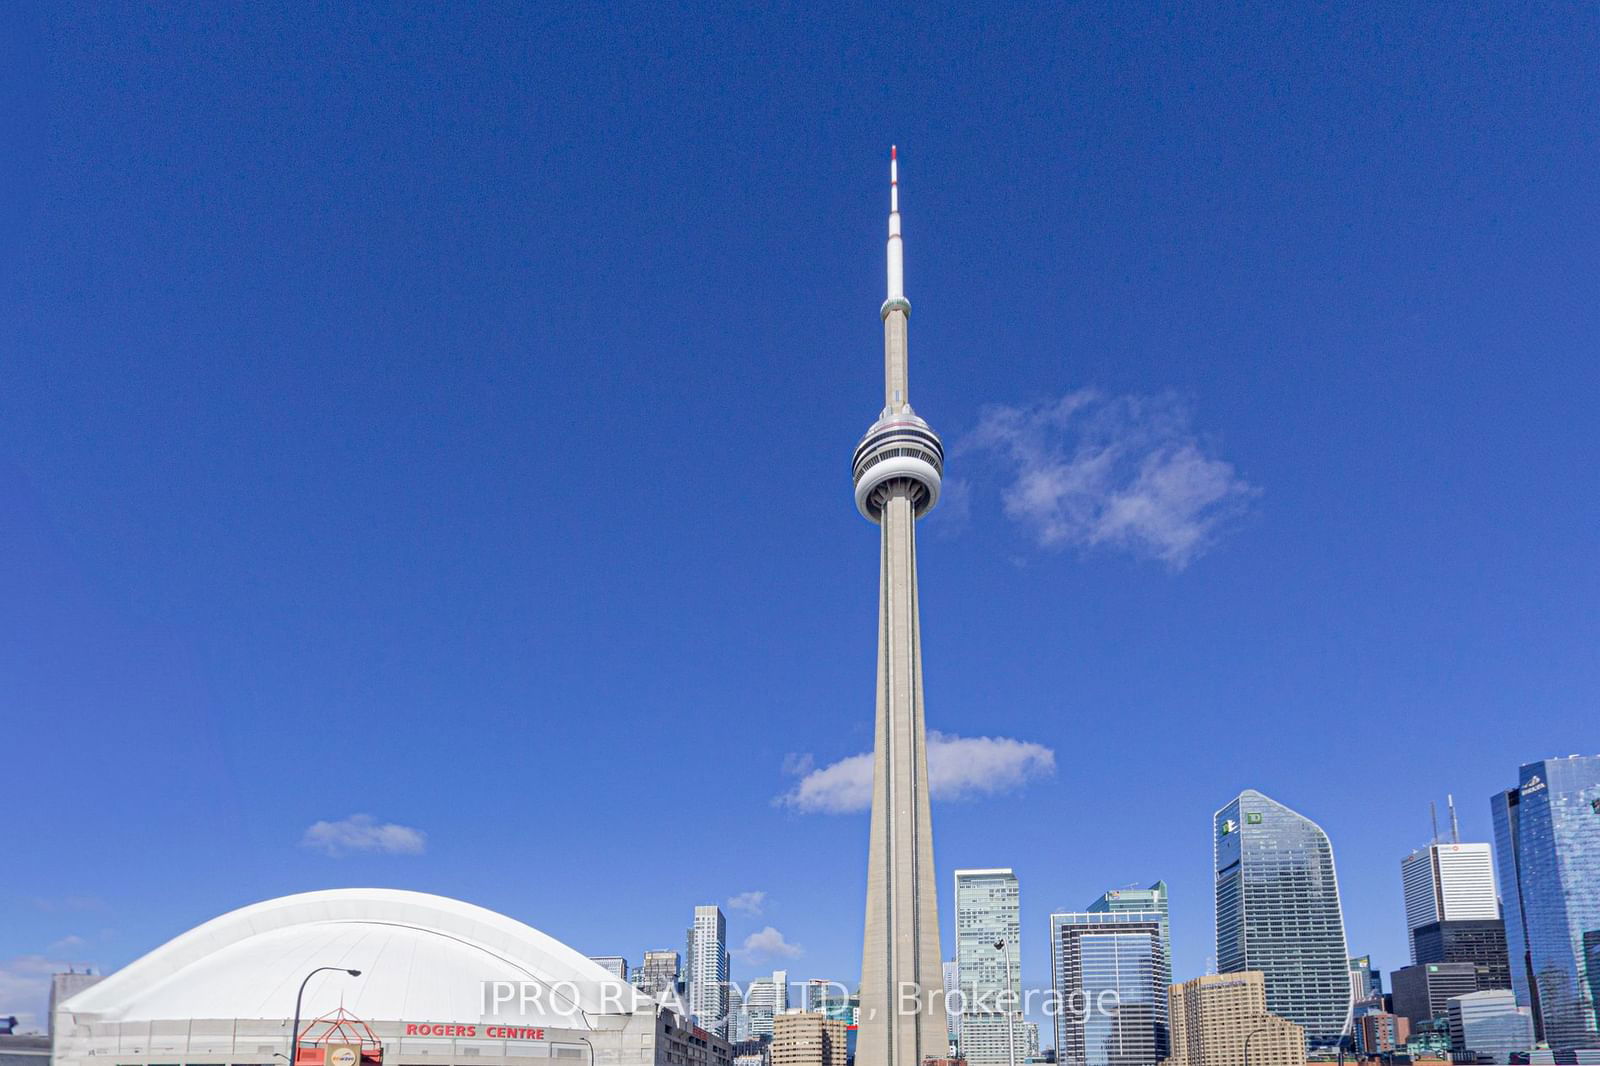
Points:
(708, 966)
(615, 965)
(988, 931)
(1277, 901)
(952, 1003)
(828, 998)
(898, 468)
(1153, 898)
(1215, 1017)
(809, 1039)
(1547, 844)
(764, 999)
(740, 1029)
(657, 974)
(1448, 883)
(1110, 979)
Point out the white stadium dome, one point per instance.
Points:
(441, 983)
(421, 957)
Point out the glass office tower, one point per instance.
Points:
(1547, 843)
(1277, 899)
(1153, 898)
(1110, 976)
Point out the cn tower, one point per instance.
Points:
(897, 468)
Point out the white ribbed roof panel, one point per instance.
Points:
(421, 957)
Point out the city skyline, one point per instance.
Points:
(322, 341)
(777, 992)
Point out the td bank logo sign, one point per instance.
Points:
(1230, 827)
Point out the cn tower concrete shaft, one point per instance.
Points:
(899, 466)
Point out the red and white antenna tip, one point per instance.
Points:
(892, 151)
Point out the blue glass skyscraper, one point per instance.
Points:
(1547, 845)
(1110, 975)
(1153, 898)
(1278, 912)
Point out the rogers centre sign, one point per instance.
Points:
(488, 1032)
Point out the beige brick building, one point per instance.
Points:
(1211, 1017)
(808, 1040)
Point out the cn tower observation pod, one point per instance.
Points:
(900, 448)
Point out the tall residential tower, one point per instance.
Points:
(897, 469)
(708, 966)
(989, 965)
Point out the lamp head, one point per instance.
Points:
(353, 973)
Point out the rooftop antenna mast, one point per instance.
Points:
(1455, 826)
(1433, 812)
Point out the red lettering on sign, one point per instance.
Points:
(506, 1032)
(492, 1032)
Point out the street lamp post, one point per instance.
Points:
(1247, 1044)
(1011, 1025)
(294, 1031)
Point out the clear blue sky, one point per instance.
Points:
(445, 415)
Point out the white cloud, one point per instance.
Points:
(1122, 472)
(837, 788)
(64, 904)
(768, 944)
(958, 767)
(362, 832)
(798, 765)
(25, 988)
(748, 902)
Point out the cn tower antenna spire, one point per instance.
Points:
(897, 270)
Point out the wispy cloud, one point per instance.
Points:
(362, 832)
(958, 767)
(768, 944)
(25, 987)
(68, 904)
(1124, 472)
(748, 902)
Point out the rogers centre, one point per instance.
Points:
(442, 983)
